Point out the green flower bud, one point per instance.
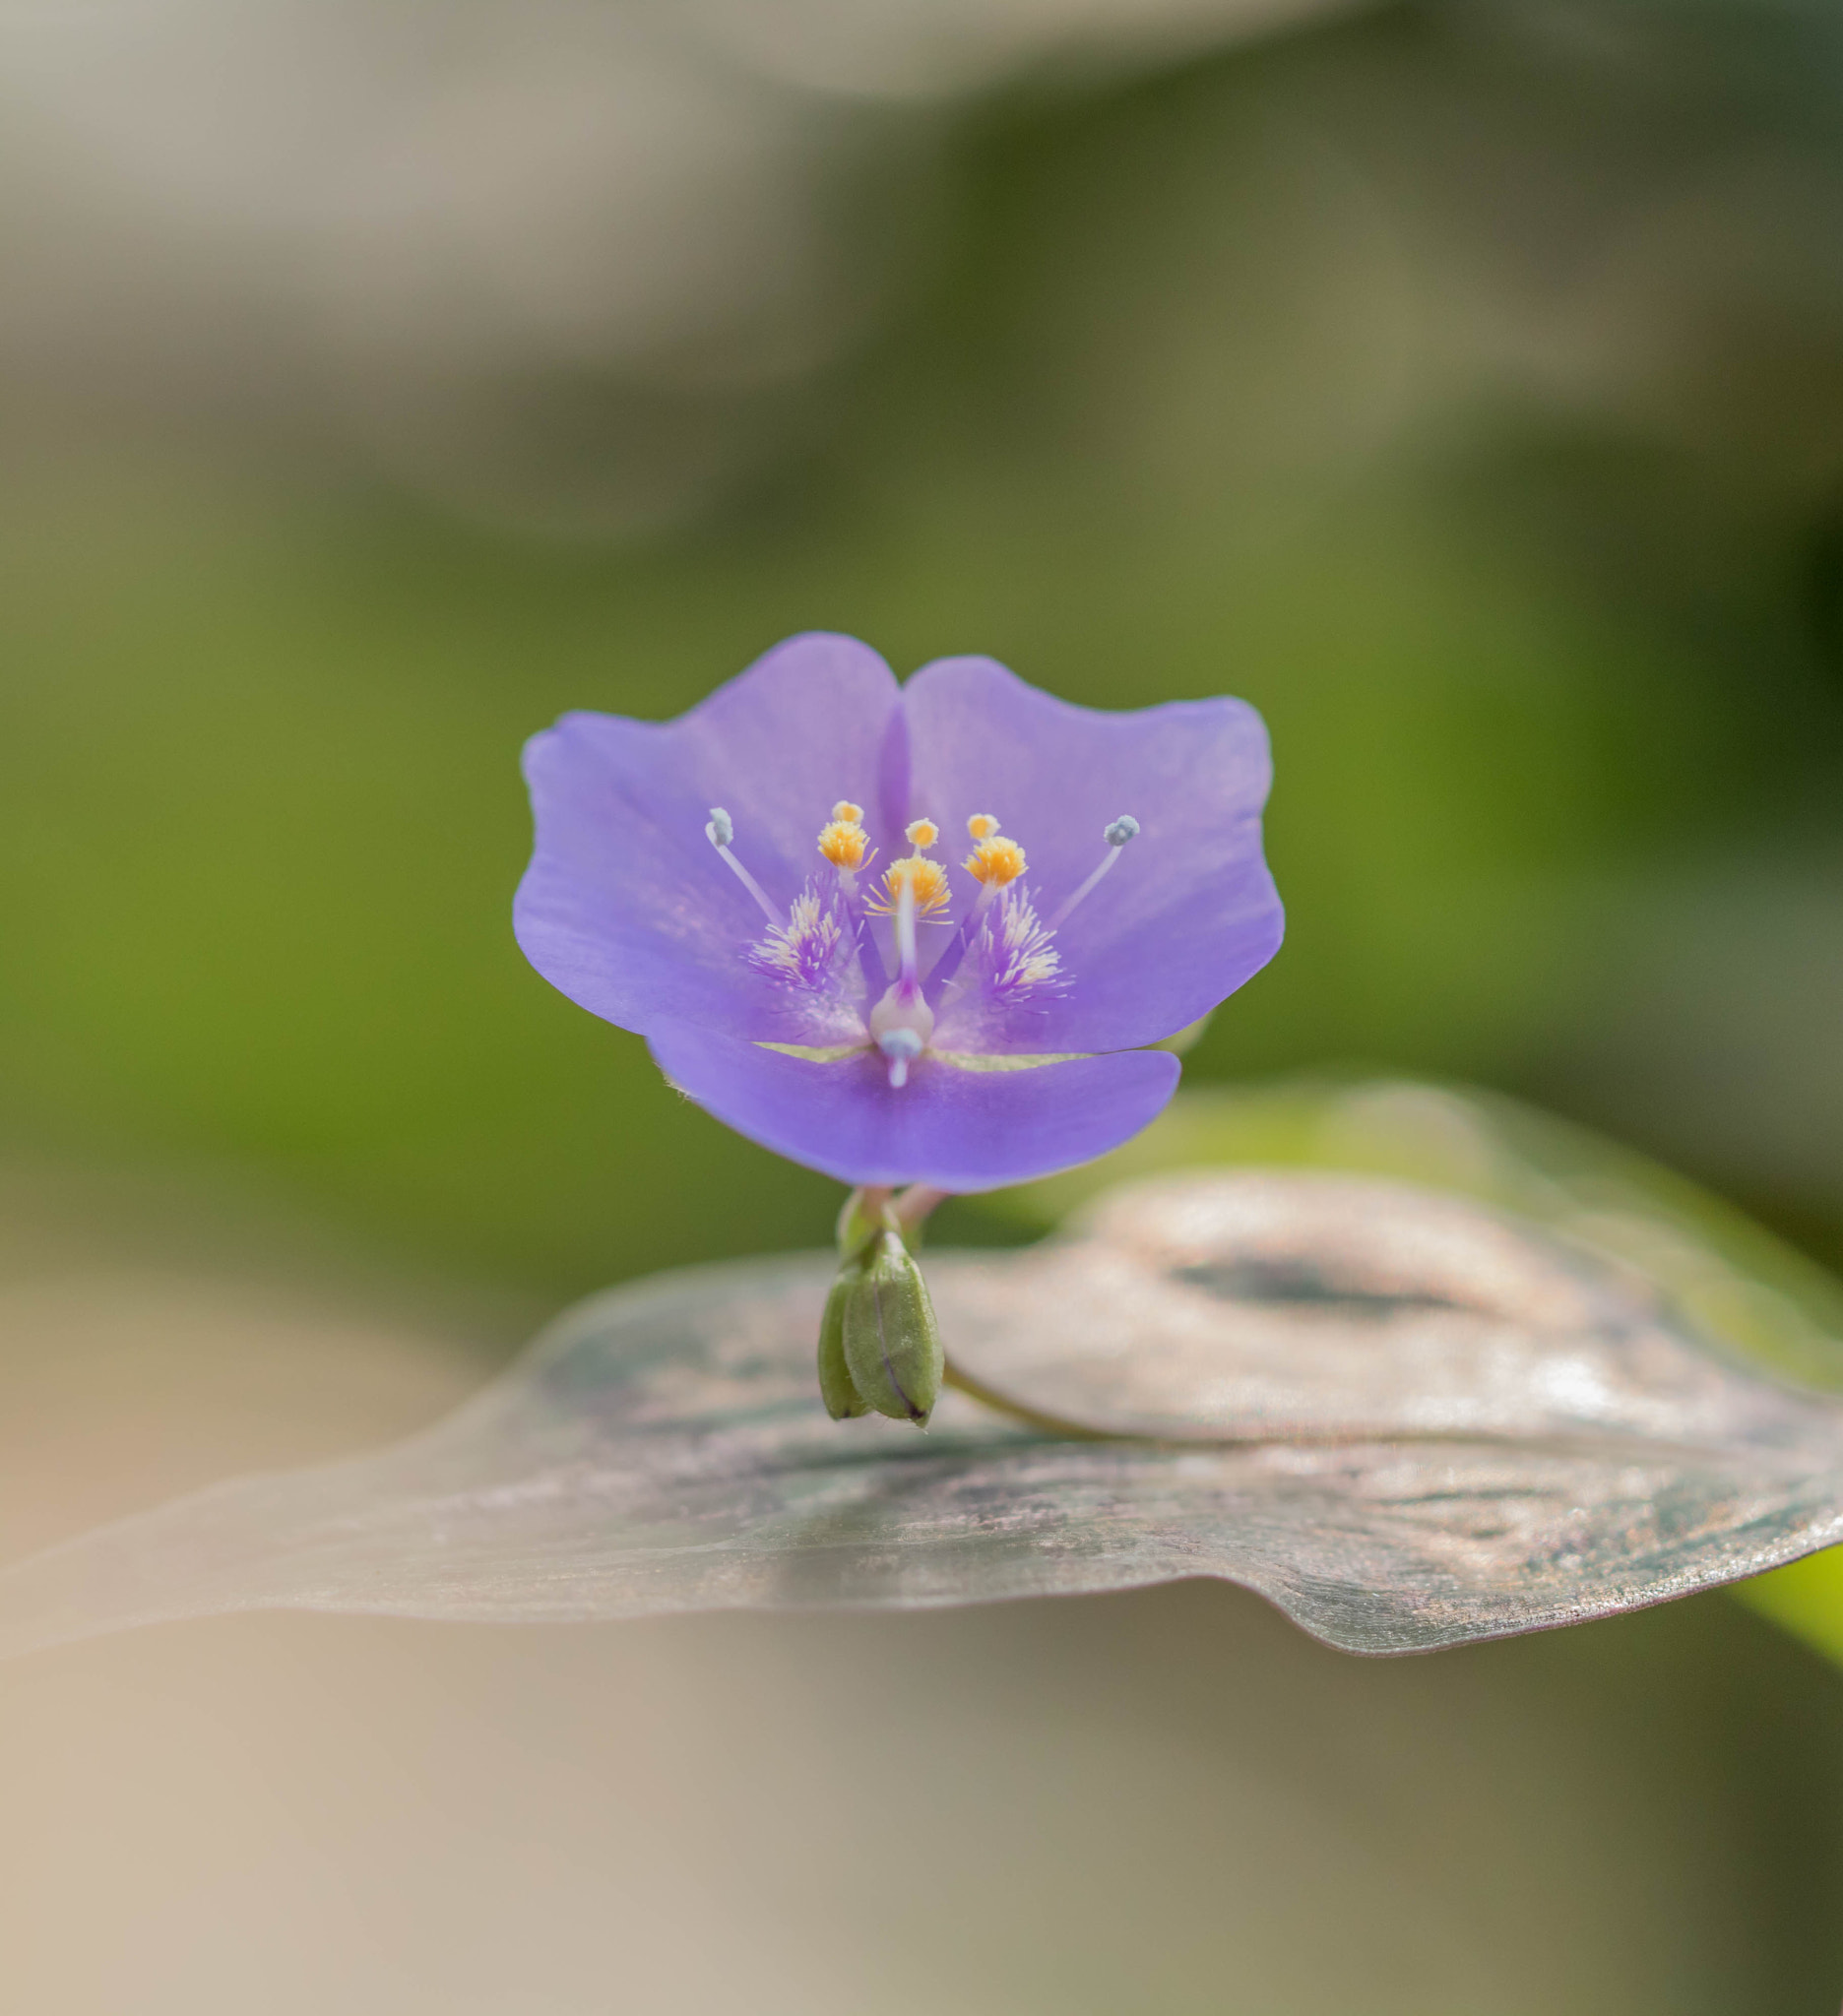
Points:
(892, 1349)
(840, 1397)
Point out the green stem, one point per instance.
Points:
(1030, 1417)
(913, 1205)
(1078, 1431)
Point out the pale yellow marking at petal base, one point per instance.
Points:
(974, 1060)
(961, 1060)
(830, 1053)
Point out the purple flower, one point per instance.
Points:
(912, 934)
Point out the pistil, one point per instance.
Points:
(902, 1022)
(902, 1046)
(720, 832)
(1123, 829)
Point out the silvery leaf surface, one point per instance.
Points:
(1405, 1415)
(1743, 1292)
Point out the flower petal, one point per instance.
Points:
(627, 908)
(1183, 917)
(959, 1129)
(1452, 1426)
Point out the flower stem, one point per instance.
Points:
(913, 1205)
(1030, 1417)
(863, 1214)
(1296, 1437)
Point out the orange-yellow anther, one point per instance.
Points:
(847, 814)
(927, 880)
(843, 844)
(995, 861)
(922, 833)
(982, 826)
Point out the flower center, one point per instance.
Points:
(999, 954)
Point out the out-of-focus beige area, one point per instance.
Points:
(1460, 383)
(1164, 1800)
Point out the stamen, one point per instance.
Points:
(902, 1046)
(923, 881)
(720, 832)
(843, 844)
(870, 958)
(995, 861)
(914, 877)
(802, 949)
(1018, 953)
(1122, 829)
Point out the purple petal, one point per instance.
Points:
(1189, 911)
(626, 907)
(960, 1130)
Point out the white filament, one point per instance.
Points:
(1118, 834)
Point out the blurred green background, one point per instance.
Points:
(1460, 383)
(1463, 386)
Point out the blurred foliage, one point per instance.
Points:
(1177, 406)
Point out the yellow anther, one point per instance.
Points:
(847, 814)
(922, 833)
(982, 826)
(927, 880)
(843, 844)
(995, 861)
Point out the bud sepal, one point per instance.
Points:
(879, 1346)
(842, 1399)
